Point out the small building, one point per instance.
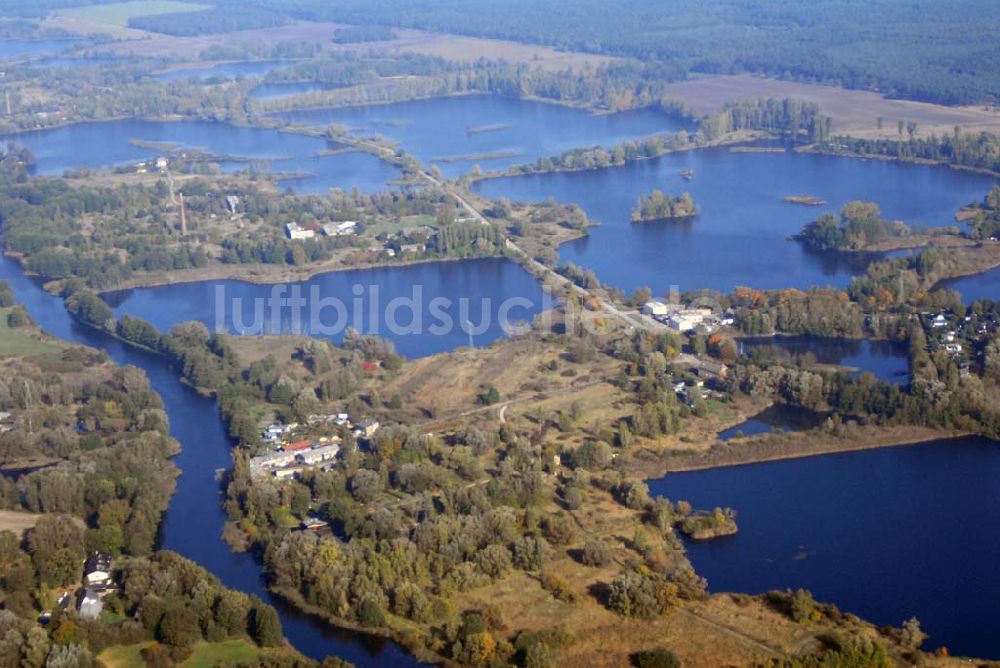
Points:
(366, 428)
(318, 455)
(953, 348)
(296, 232)
(162, 163)
(313, 524)
(655, 308)
(345, 228)
(939, 321)
(97, 569)
(412, 248)
(269, 462)
(233, 204)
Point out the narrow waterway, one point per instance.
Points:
(193, 523)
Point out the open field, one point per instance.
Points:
(119, 13)
(452, 47)
(18, 522)
(21, 341)
(853, 111)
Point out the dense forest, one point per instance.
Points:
(858, 44)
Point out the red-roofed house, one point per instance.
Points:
(298, 446)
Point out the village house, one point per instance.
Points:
(273, 460)
(366, 428)
(318, 455)
(296, 232)
(97, 570)
(939, 321)
(313, 524)
(345, 228)
(656, 308)
(412, 248)
(232, 204)
(90, 606)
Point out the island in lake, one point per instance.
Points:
(658, 206)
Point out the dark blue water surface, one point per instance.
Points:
(741, 235)
(277, 91)
(976, 287)
(108, 144)
(886, 534)
(228, 71)
(476, 292)
(16, 48)
(778, 417)
(440, 128)
(885, 360)
(193, 523)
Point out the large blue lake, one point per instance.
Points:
(741, 234)
(110, 143)
(423, 308)
(886, 534)
(455, 133)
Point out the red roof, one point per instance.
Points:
(298, 445)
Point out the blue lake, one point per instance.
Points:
(778, 417)
(976, 287)
(403, 304)
(886, 534)
(108, 144)
(15, 48)
(277, 91)
(885, 360)
(741, 234)
(226, 71)
(450, 132)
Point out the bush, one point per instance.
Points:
(370, 614)
(656, 658)
(595, 553)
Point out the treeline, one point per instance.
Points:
(856, 46)
(360, 34)
(211, 21)
(976, 150)
(657, 206)
(859, 226)
(986, 223)
(787, 117)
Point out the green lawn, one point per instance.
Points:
(21, 341)
(205, 654)
(119, 13)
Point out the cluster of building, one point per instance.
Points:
(297, 232)
(681, 319)
(97, 583)
(289, 456)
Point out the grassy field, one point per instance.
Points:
(119, 13)
(205, 654)
(853, 111)
(17, 522)
(21, 341)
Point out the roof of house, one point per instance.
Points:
(98, 562)
(296, 446)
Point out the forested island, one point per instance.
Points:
(657, 206)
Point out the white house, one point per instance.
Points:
(296, 232)
(318, 455)
(655, 308)
(97, 569)
(939, 321)
(90, 606)
(340, 229)
(953, 348)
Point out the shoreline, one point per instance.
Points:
(806, 447)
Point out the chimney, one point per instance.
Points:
(184, 221)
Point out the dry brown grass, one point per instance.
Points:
(853, 111)
(18, 522)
